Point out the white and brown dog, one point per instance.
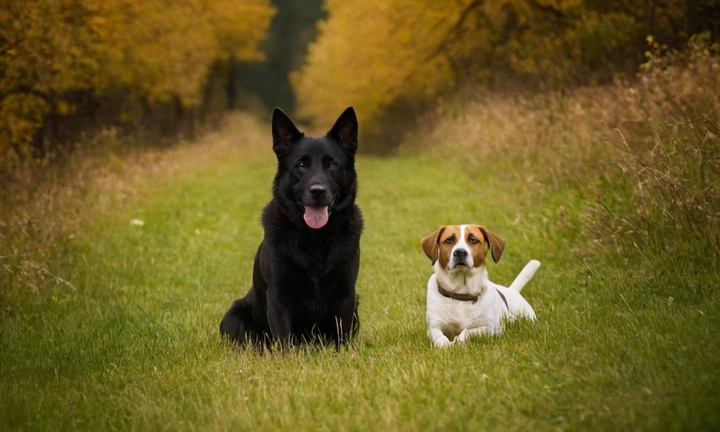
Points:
(461, 300)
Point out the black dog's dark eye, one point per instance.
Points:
(332, 164)
(301, 164)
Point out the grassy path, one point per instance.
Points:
(133, 343)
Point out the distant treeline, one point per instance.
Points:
(67, 65)
(70, 66)
(392, 59)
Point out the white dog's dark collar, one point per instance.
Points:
(466, 297)
(456, 296)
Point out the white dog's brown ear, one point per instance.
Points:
(430, 245)
(497, 244)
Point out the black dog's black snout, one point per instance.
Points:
(317, 191)
(460, 253)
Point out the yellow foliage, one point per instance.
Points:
(20, 116)
(152, 50)
(164, 48)
(387, 56)
(369, 54)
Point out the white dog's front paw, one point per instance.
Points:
(462, 337)
(442, 341)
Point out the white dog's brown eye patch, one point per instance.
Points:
(447, 241)
(475, 240)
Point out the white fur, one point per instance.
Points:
(450, 318)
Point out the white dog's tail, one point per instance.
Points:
(525, 275)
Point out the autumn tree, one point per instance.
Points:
(369, 53)
(389, 58)
(57, 54)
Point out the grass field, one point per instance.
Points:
(108, 324)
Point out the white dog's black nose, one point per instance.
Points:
(460, 253)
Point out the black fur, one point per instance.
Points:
(303, 277)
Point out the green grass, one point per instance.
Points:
(131, 340)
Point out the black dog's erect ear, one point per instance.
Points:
(345, 130)
(284, 132)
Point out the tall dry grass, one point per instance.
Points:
(645, 156)
(672, 156)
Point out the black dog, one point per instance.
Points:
(307, 265)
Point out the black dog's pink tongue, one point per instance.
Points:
(316, 216)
